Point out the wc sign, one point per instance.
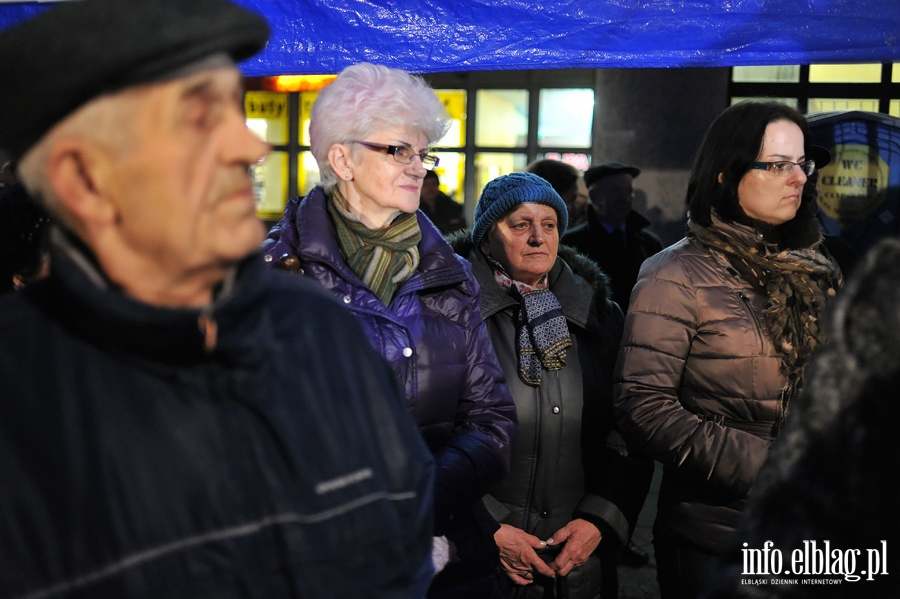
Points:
(854, 184)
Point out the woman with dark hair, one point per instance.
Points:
(360, 234)
(720, 330)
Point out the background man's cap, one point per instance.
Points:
(819, 154)
(66, 56)
(595, 173)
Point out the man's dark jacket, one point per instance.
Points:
(140, 457)
(621, 266)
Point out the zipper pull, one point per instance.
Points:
(210, 331)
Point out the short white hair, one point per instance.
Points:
(365, 98)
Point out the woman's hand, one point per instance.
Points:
(579, 538)
(518, 554)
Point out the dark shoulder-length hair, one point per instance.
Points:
(731, 146)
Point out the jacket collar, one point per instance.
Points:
(634, 221)
(438, 266)
(575, 294)
(80, 296)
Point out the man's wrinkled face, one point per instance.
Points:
(613, 196)
(183, 192)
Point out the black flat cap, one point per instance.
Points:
(64, 57)
(595, 173)
(821, 155)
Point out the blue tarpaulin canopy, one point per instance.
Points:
(429, 36)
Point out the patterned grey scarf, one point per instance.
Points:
(542, 335)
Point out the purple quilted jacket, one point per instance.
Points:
(434, 338)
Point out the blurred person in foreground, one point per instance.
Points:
(719, 333)
(360, 234)
(177, 421)
(572, 498)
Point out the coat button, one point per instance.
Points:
(407, 352)
(556, 409)
(268, 257)
(544, 514)
(346, 299)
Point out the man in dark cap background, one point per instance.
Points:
(615, 235)
(177, 421)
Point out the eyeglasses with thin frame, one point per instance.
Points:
(784, 168)
(402, 154)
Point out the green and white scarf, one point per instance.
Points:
(381, 258)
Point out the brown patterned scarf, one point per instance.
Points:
(796, 282)
(382, 258)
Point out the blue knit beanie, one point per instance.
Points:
(504, 193)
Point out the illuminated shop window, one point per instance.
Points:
(454, 101)
(452, 173)
(766, 74)
(845, 73)
(792, 102)
(502, 118)
(307, 172)
(895, 108)
(820, 87)
(306, 102)
(267, 115)
(490, 165)
(270, 184)
(565, 117)
(828, 104)
(580, 160)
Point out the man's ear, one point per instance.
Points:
(76, 175)
(721, 176)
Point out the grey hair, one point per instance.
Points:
(365, 98)
(106, 121)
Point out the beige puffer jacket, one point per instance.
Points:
(698, 387)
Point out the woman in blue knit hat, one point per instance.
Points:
(573, 494)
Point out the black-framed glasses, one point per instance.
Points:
(783, 168)
(402, 154)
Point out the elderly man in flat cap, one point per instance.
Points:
(614, 235)
(175, 421)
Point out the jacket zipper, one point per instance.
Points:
(209, 328)
(755, 319)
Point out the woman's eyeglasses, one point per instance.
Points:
(402, 154)
(783, 168)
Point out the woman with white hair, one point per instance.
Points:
(360, 234)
